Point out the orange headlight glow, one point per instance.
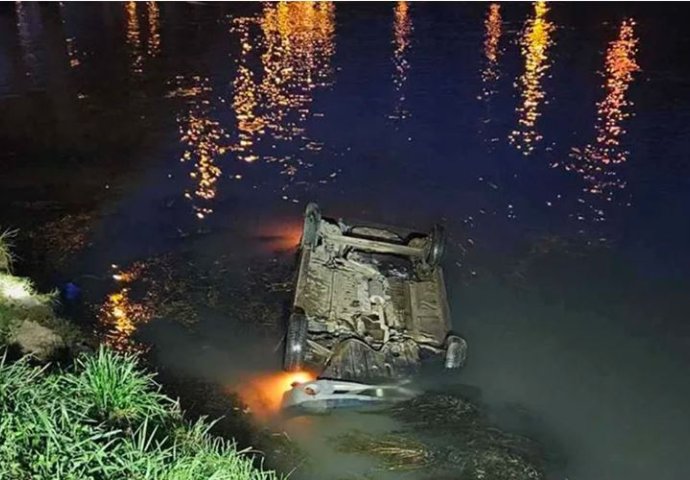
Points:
(263, 393)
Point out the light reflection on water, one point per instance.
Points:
(285, 56)
(597, 162)
(402, 30)
(297, 59)
(294, 43)
(490, 72)
(284, 60)
(246, 95)
(535, 43)
(492, 37)
(133, 36)
(120, 316)
(153, 44)
(202, 137)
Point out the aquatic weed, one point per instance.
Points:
(397, 452)
(451, 437)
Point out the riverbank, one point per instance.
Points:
(106, 418)
(102, 416)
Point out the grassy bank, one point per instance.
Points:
(102, 418)
(28, 322)
(105, 419)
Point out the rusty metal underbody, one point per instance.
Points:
(373, 308)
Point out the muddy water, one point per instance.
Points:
(179, 143)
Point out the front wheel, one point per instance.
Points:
(295, 343)
(312, 221)
(456, 351)
(436, 246)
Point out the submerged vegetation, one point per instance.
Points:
(397, 452)
(457, 442)
(105, 418)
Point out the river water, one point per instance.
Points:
(550, 138)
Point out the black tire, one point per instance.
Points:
(295, 342)
(456, 352)
(436, 246)
(310, 231)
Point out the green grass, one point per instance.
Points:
(105, 419)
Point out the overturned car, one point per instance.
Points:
(370, 302)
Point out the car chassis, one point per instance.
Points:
(370, 302)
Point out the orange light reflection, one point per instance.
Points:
(595, 162)
(281, 236)
(263, 393)
(492, 37)
(153, 45)
(120, 316)
(203, 138)
(294, 43)
(133, 39)
(247, 96)
(402, 29)
(534, 45)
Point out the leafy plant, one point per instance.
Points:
(105, 419)
(115, 389)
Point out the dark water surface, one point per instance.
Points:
(138, 139)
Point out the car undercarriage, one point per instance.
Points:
(370, 302)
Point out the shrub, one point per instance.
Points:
(113, 389)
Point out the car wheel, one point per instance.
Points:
(312, 220)
(295, 342)
(456, 351)
(436, 246)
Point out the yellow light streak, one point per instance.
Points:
(402, 30)
(534, 46)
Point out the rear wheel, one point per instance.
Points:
(456, 351)
(295, 342)
(312, 220)
(436, 246)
